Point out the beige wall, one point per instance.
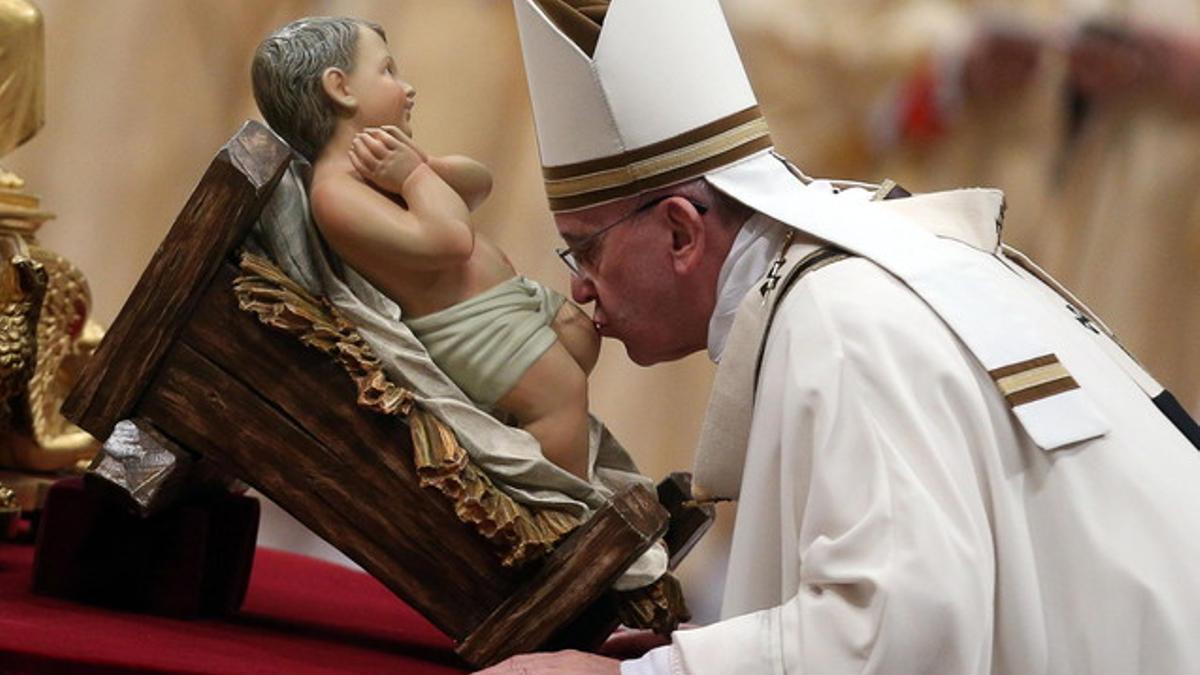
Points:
(143, 92)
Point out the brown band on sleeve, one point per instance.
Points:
(1022, 366)
(1033, 380)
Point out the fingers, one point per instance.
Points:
(511, 666)
(382, 141)
(389, 141)
(395, 132)
(632, 644)
(373, 144)
(359, 166)
(358, 146)
(398, 134)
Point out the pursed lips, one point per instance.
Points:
(598, 321)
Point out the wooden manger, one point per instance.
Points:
(186, 363)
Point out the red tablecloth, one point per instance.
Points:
(300, 616)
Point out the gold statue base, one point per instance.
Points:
(29, 489)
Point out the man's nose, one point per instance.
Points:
(583, 290)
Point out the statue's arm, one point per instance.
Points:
(373, 232)
(469, 178)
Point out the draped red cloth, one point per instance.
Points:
(300, 616)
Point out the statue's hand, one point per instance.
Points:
(395, 132)
(383, 159)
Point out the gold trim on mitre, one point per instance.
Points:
(689, 155)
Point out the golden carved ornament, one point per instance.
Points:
(45, 339)
(45, 335)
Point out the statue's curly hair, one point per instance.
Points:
(286, 76)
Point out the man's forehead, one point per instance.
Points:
(575, 225)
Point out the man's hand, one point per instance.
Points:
(633, 644)
(385, 158)
(557, 663)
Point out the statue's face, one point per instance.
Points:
(383, 98)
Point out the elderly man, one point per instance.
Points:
(944, 463)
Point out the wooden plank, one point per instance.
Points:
(384, 522)
(689, 521)
(588, 631)
(577, 574)
(217, 215)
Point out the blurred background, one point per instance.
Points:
(1086, 112)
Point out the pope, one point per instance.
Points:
(944, 462)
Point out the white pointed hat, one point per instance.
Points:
(634, 95)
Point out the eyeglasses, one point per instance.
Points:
(577, 255)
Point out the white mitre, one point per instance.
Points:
(635, 95)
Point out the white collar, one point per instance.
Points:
(756, 245)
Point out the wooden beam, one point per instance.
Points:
(689, 520)
(216, 218)
(576, 575)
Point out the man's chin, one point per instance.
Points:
(644, 358)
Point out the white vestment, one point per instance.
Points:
(895, 517)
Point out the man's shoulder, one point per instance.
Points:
(854, 292)
(859, 311)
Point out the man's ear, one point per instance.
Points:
(335, 83)
(687, 235)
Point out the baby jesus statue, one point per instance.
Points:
(401, 219)
(382, 231)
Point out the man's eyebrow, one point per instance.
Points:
(571, 239)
